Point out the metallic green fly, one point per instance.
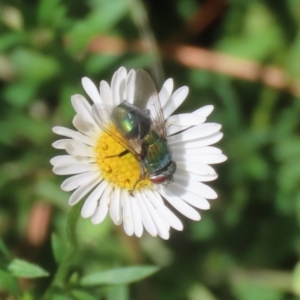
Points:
(141, 128)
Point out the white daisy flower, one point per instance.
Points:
(110, 178)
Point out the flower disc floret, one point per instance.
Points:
(119, 168)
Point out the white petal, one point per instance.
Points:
(201, 178)
(81, 125)
(91, 89)
(74, 135)
(195, 187)
(86, 127)
(197, 168)
(175, 125)
(182, 122)
(166, 91)
(118, 80)
(105, 92)
(92, 200)
(100, 213)
(61, 144)
(127, 213)
(191, 151)
(164, 211)
(62, 160)
(76, 148)
(179, 204)
(185, 120)
(185, 174)
(122, 88)
(81, 105)
(76, 181)
(83, 190)
(130, 83)
(204, 111)
(74, 168)
(115, 207)
(174, 129)
(201, 158)
(191, 198)
(206, 141)
(136, 215)
(175, 101)
(146, 217)
(195, 133)
(163, 230)
(102, 209)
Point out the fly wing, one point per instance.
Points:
(103, 115)
(147, 99)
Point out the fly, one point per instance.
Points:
(141, 129)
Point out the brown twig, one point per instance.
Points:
(200, 58)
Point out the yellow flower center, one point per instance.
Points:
(121, 170)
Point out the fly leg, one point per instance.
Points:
(142, 177)
(119, 155)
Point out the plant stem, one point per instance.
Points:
(140, 17)
(64, 269)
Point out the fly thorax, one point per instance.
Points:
(130, 121)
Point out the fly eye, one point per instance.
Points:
(158, 179)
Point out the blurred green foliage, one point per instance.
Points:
(247, 246)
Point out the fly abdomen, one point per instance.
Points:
(158, 154)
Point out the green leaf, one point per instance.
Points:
(293, 59)
(118, 276)
(61, 297)
(21, 126)
(3, 249)
(199, 291)
(34, 66)
(28, 295)
(46, 16)
(95, 63)
(259, 35)
(8, 282)
(81, 295)
(186, 8)
(59, 248)
(102, 18)
(118, 292)
(20, 93)
(24, 269)
(296, 280)
(260, 284)
(250, 292)
(10, 40)
(139, 61)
